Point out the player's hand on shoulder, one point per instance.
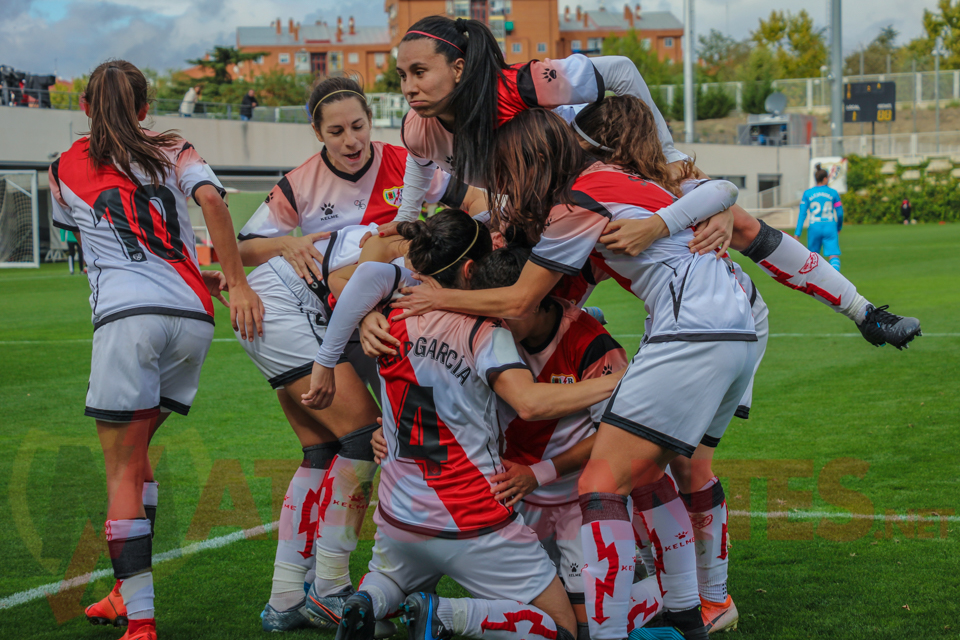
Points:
(246, 311)
(302, 255)
(379, 444)
(417, 301)
(323, 387)
(713, 234)
(516, 481)
(216, 284)
(632, 236)
(383, 231)
(375, 338)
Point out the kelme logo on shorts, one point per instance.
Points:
(393, 197)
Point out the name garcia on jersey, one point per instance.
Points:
(434, 349)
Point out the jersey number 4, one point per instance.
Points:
(135, 224)
(418, 431)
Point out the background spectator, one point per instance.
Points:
(190, 101)
(247, 105)
(906, 211)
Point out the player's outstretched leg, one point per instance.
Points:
(430, 617)
(347, 487)
(298, 525)
(793, 265)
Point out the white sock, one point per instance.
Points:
(298, 525)
(606, 537)
(707, 509)
(494, 619)
(646, 601)
(384, 593)
(137, 592)
(671, 536)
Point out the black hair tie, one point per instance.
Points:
(461, 25)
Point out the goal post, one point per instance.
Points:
(19, 220)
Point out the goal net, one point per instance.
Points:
(19, 219)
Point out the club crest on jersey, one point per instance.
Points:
(562, 379)
(393, 196)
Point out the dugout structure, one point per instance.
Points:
(19, 219)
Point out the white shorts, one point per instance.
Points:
(558, 529)
(507, 564)
(674, 392)
(144, 364)
(293, 326)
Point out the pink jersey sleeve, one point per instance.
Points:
(193, 172)
(276, 217)
(553, 83)
(494, 349)
(569, 237)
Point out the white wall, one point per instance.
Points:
(32, 136)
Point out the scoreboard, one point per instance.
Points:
(870, 102)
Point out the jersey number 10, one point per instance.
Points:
(135, 224)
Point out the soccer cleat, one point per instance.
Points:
(327, 608)
(292, 618)
(420, 616)
(880, 327)
(655, 633)
(384, 629)
(356, 621)
(597, 313)
(719, 616)
(110, 610)
(141, 630)
(688, 622)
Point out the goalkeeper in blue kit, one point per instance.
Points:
(826, 219)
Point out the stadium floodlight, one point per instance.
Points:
(689, 97)
(19, 219)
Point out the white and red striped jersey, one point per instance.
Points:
(688, 297)
(318, 197)
(440, 423)
(137, 240)
(579, 349)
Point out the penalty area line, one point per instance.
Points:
(53, 588)
(818, 515)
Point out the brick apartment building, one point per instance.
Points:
(525, 29)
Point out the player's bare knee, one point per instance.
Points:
(555, 603)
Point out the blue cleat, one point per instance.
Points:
(420, 616)
(356, 618)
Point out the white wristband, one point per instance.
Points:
(544, 471)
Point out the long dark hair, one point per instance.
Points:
(330, 90)
(441, 244)
(116, 93)
(474, 100)
(536, 159)
(626, 126)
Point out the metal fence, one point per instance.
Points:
(388, 108)
(814, 93)
(893, 145)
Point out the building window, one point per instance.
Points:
(379, 59)
(645, 44)
(301, 62)
(541, 47)
(461, 8)
(393, 11)
(668, 43)
(594, 44)
(739, 181)
(353, 58)
(335, 61)
(516, 47)
(575, 46)
(259, 60)
(284, 58)
(500, 7)
(449, 7)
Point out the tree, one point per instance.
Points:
(390, 82)
(875, 54)
(945, 23)
(653, 70)
(721, 55)
(223, 59)
(757, 76)
(799, 48)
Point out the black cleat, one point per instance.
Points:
(880, 327)
(688, 622)
(420, 616)
(356, 618)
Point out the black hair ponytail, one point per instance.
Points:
(475, 98)
(441, 244)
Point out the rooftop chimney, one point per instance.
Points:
(296, 32)
(279, 26)
(339, 29)
(579, 15)
(290, 27)
(638, 11)
(353, 24)
(628, 14)
(566, 13)
(586, 21)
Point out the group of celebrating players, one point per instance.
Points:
(521, 452)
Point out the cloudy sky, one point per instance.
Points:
(72, 36)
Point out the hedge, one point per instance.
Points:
(870, 200)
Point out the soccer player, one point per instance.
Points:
(437, 515)
(826, 218)
(352, 183)
(123, 192)
(700, 343)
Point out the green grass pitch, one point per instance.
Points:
(836, 426)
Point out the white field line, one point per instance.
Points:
(616, 335)
(30, 595)
(55, 587)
